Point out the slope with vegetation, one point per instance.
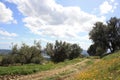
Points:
(108, 68)
(90, 68)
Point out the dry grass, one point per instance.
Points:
(107, 68)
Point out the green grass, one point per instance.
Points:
(1, 57)
(90, 62)
(33, 68)
(112, 56)
(24, 69)
(108, 68)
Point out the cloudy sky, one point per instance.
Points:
(50, 20)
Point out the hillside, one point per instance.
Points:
(107, 68)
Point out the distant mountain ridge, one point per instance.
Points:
(84, 52)
(4, 51)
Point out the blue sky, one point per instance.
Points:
(50, 20)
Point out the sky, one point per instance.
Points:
(23, 21)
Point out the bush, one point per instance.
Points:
(62, 50)
(7, 60)
(75, 51)
(24, 55)
(100, 51)
(36, 60)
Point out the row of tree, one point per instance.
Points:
(24, 55)
(33, 54)
(105, 37)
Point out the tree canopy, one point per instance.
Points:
(105, 36)
(63, 50)
(24, 55)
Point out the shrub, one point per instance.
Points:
(62, 50)
(24, 55)
(8, 60)
(36, 60)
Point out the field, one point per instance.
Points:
(32, 68)
(107, 68)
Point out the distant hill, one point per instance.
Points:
(4, 51)
(84, 52)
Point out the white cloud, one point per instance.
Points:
(6, 15)
(50, 19)
(108, 6)
(5, 38)
(7, 34)
(112, 0)
(105, 7)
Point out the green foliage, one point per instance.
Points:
(105, 37)
(62, 50)
(33, 68)
(36, 60)
(100, 51)
(24, 55)
(98, 35)
(90, 62)
(113, 32)
(1, 56)
(8, 60)
(74, 51)
(92, 50)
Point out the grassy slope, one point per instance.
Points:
(33, 68)
(68, 73)
(107, 68)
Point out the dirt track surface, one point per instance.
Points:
(46, 74)
(64, 73)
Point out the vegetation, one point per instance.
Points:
(108, 68)
(24, 55)
(33, 68)
(105, 37)
(1, 58)
(62, 50)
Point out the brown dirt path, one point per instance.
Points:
(71, 76)
(46, 74)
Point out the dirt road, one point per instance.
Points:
(60, 74)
